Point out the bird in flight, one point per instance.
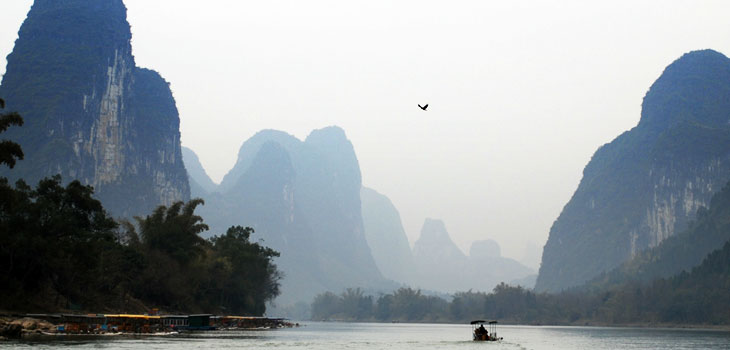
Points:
(423, 107)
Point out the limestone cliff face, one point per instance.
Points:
(648, 183)
(674, 200)
(90, 113)
(683, 251)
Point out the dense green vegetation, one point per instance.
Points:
(9, 151)
(60, 250)
(183, 271)
(698, 297)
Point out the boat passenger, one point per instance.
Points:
(481, 331)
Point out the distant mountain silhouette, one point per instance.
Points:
(385, 236)
(441, 264)
(443, 267)
(200, 182)
(303, 199)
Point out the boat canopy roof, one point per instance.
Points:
(483, 321)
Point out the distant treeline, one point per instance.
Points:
(60, 250)
(653, 288)
(698, 297)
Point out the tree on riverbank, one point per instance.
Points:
(60, 250)
(9, 150)
(183, 271)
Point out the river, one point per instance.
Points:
(335, 336)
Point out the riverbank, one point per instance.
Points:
(16, 328)
(66, 325)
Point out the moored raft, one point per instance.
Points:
(111, 324)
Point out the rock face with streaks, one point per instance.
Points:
(648, 183)
(90, 113)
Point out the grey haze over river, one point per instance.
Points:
(331, 336)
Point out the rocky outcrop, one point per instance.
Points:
(10, 330)
(647, 184)
(18, 328)
(91, 114)
(680, 252)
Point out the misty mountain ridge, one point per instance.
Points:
(266, 190)
(442, 266)
(386, 237)
(303, 199)
(200, 182)
(648, 183)
(90, 113)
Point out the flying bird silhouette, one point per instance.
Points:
(423, 107)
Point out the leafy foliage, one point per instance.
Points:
(698, 297)
(53, 242)
(246, 277)
(61, 250)
(174, 231)
(405, 304)
(227, 273)
(9, 151)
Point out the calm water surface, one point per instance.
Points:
(332, 336)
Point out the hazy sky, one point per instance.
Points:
(520, 93)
